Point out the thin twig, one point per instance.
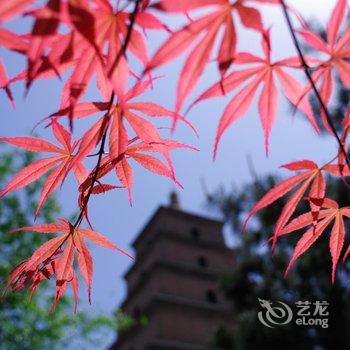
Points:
(97, 167)
(101, 151)
(309, 77)
(96, 154)
(122, 51)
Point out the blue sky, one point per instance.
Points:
(292, 138)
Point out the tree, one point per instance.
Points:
(259, 274)
(24, 321)
(79, 40)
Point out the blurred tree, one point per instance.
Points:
(25, 324)
(259, 274)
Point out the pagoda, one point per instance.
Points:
(174, 283)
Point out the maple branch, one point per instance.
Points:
(96, 154)
(101, 151)
(100, 154)
(309, 77)
(122, 51)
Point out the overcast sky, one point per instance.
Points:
(291, 139)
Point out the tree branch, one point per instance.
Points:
(309, 77)
(101, 151)
(122, 51)
(97, 167)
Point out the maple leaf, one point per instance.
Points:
(329, 213)
(60, 164)
(43, 33)
(337, 52)
(56, 257)
(96, 37)
(261, 71)
(52, 53)
(141, 153)
(310, 180)
(43, 38)
(207, 29)
(115, 118)
(114, 33)
(14, 42)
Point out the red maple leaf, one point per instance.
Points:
(56, 257)
(329, 213)
(120, 140)
(61, 163)
(310, 180)
(141, 153)
(94, 45)
(261, 71)
(13, 42)
(204, 30)
(336, 51)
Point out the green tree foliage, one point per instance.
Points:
(25, 323)
(259, 274)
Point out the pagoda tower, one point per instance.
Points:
(174, 283)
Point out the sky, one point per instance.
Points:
(292, 138)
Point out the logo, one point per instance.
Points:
(273, 315)
(277, 313)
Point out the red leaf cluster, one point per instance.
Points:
(94, 42)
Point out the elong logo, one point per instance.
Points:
(278, 313)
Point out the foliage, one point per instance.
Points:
(126, 322)
(97, 42)
(24, 321)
